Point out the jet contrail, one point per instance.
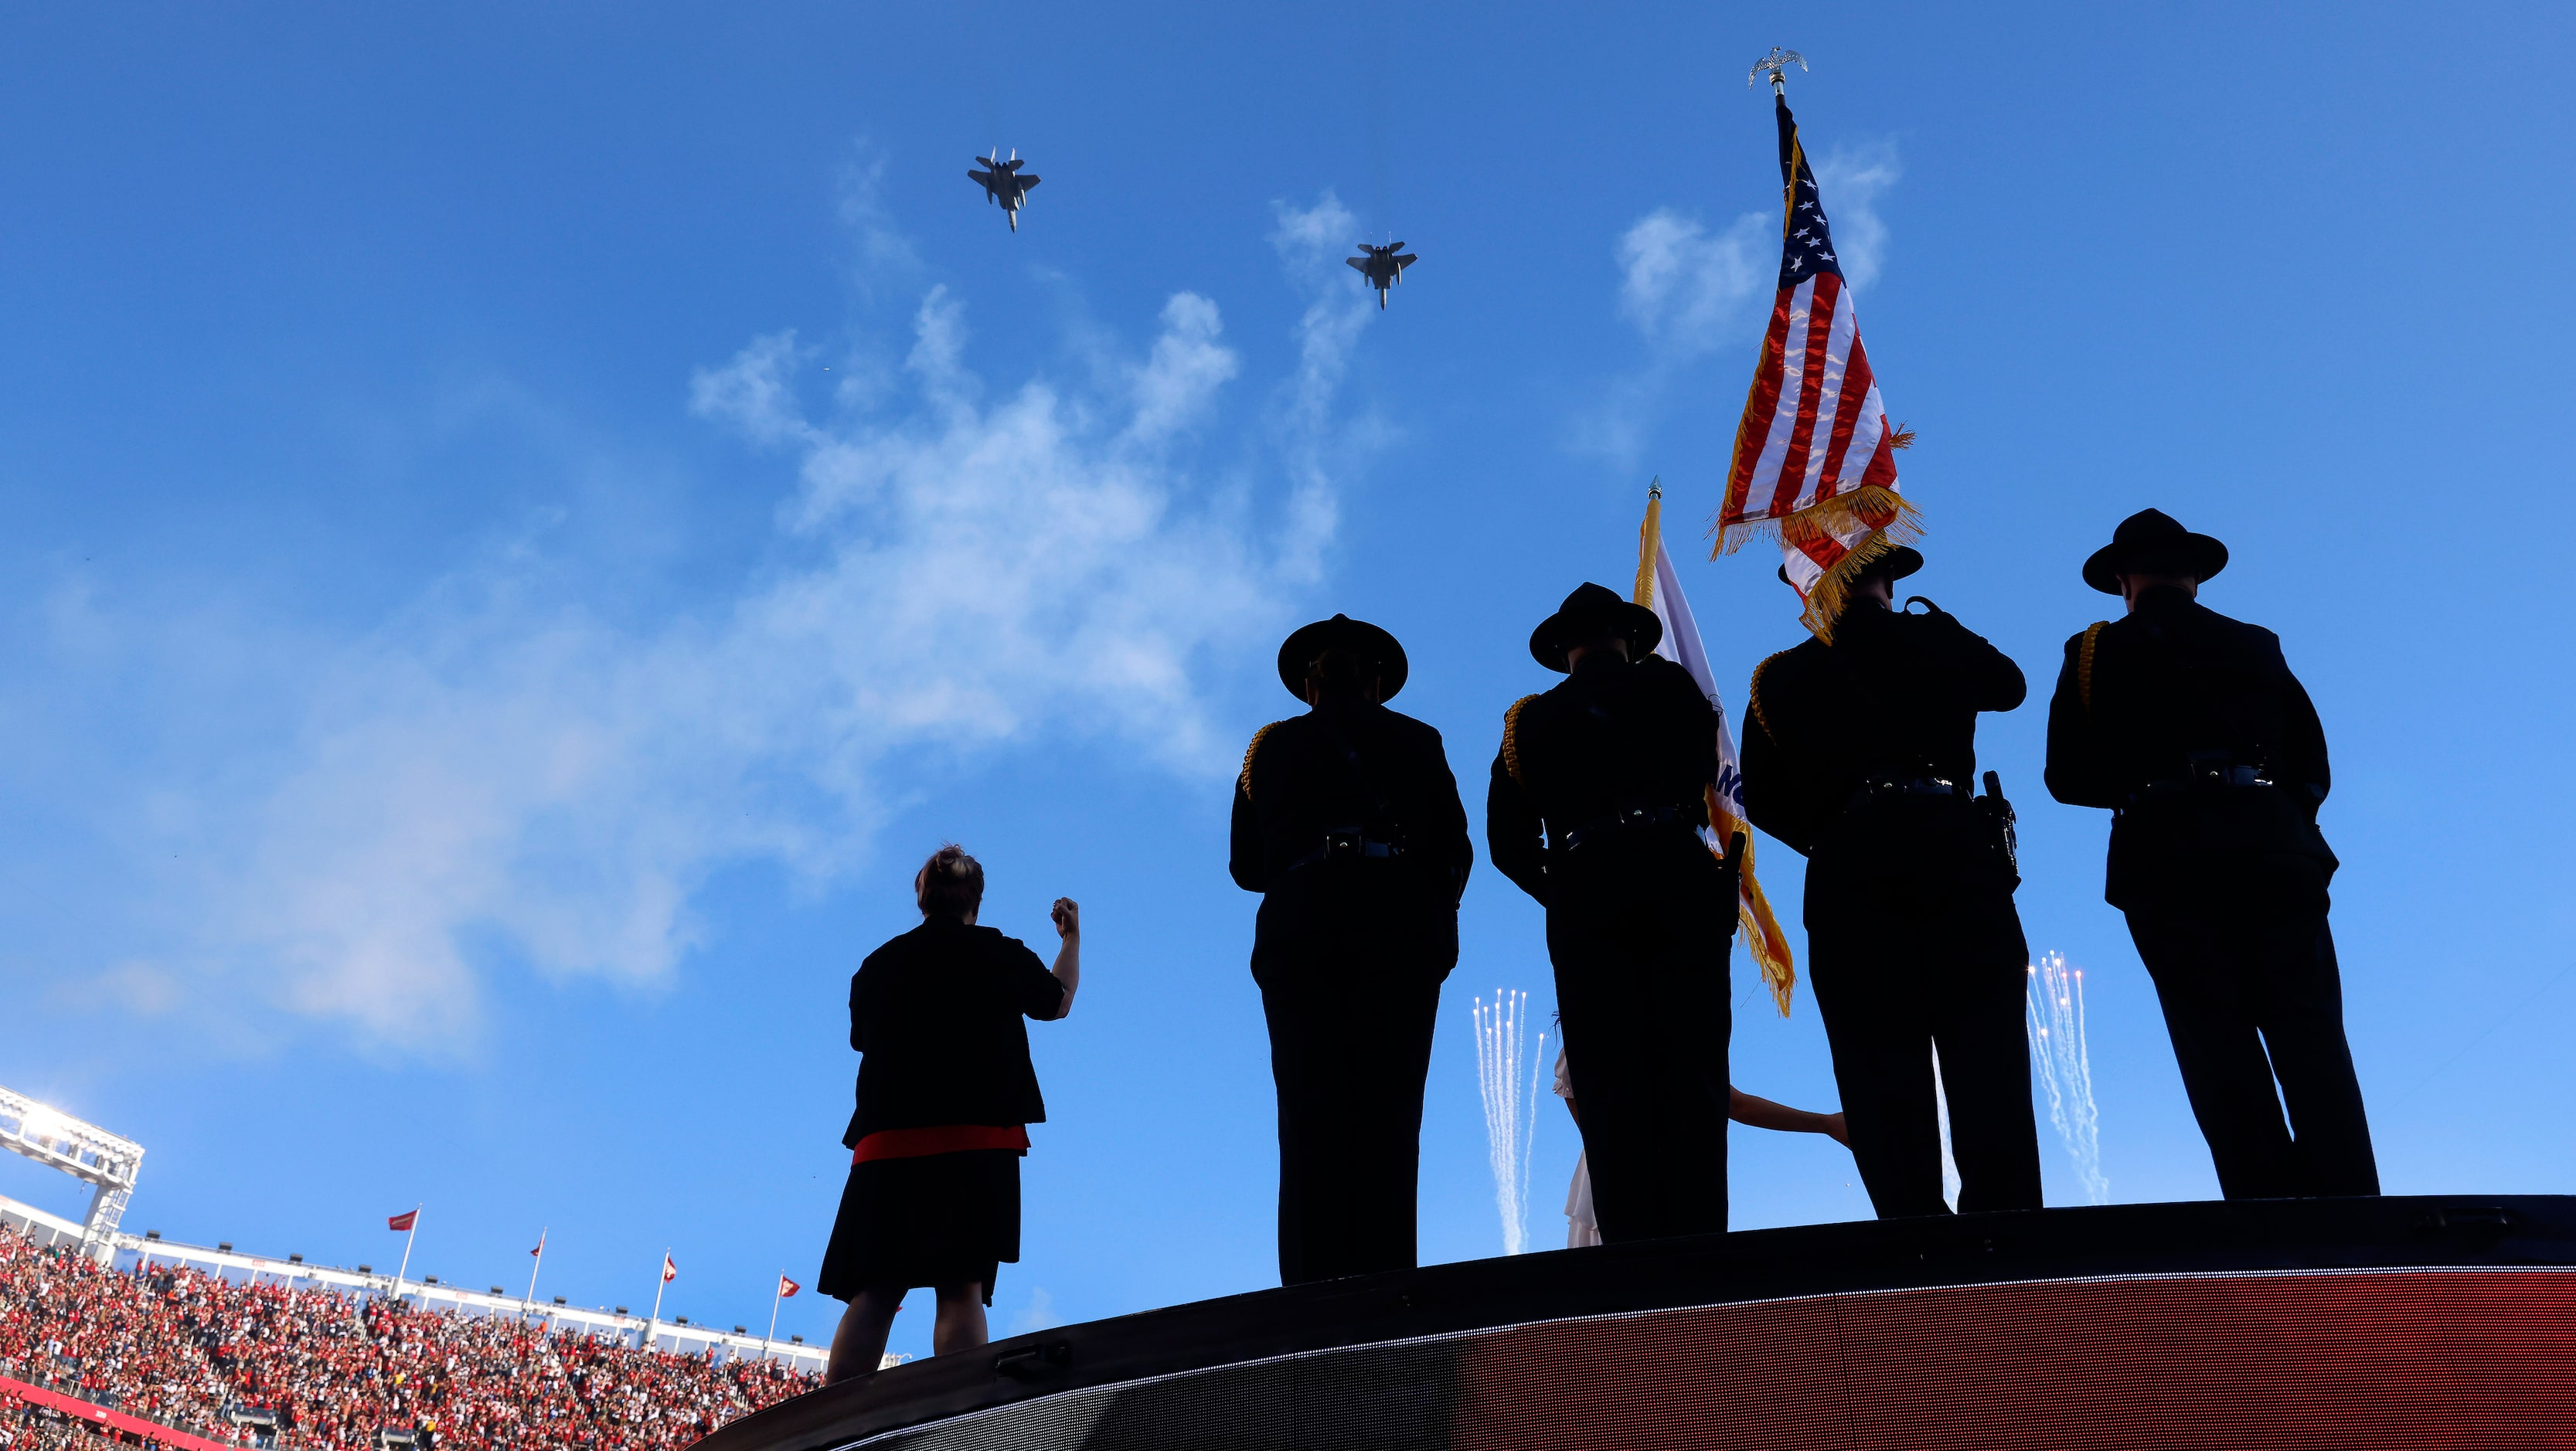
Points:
(1508, 1132)
(2063, 1063)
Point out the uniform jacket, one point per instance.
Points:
(1895, 696)
(2137, 699)
(1612, 736)
(1299, 784)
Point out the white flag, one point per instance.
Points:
(1660, 590)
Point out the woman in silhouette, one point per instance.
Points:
(946, 1094)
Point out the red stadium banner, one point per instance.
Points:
(105, 1419)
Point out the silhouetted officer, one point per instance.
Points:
(1861, 756)
(1347, 820)
(2191, 728)
(1598, 798)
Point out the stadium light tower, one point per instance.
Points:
(104, 1161)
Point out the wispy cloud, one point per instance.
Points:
(1690, 291)
(881, 252)
(1309, 243)
(1686, 289)
(1852, 179)
(500, 775)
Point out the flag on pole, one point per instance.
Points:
(540, 1253)
(1660, 590)
(670, 1272)
(786, 1287)
(1815, 460)
(405, 1224)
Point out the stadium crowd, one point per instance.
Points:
(184, 1348)
(57, 1433)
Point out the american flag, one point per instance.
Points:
(1815, 459)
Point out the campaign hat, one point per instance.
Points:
(1589, 612)
(1341, 632)
(2154, 537)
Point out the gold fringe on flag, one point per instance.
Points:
(1759, 928)
(1826, 597)
(1883, 518)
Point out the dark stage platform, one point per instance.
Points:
(2424, 1321)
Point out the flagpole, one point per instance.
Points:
(1649, 534)
(531, 1297)
(661, 1282)
(406, 1259)
(775, 1297)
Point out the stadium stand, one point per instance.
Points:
(179, 1356)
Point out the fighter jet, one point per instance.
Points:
(1003, 183)
(1381, 268)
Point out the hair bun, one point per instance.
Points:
(951, 881)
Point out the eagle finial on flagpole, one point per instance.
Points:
(1774, 64)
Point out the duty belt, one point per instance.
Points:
(1350, 844)
(2204, 778)
(1629, 819)
(1901, 786)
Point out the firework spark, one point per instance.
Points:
(1941, 1117)
(2063, 1063)
(1510, 1127)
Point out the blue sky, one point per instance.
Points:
(523, 526)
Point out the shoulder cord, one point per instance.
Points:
(1753, 698)
(2084, 666)
(1511, 741)
(1243, 783)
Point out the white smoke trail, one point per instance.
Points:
(2063, 1063)
(1529, 1134)
(1509, 1132)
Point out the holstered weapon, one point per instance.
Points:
(1732, 864)
(1997, 815)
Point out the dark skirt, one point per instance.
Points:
(940, 1219)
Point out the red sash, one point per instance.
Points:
(946, 1139)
